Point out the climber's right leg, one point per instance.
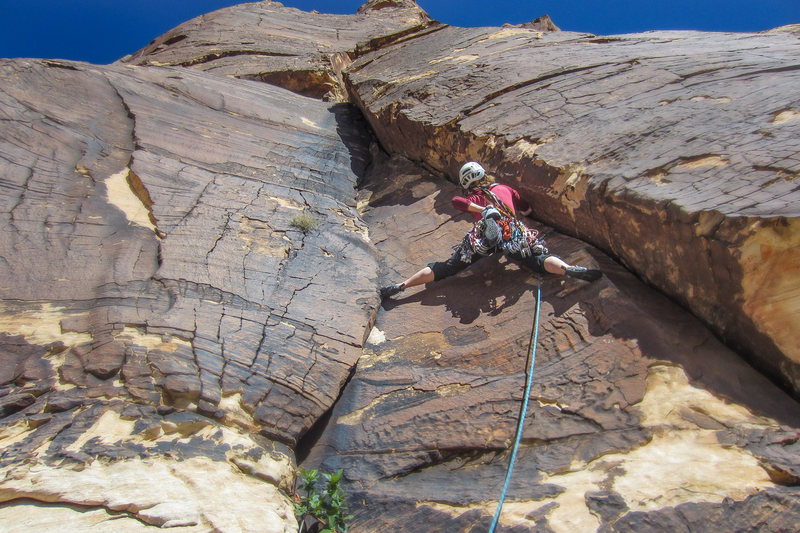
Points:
(433, 272)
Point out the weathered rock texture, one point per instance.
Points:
(638, 413)
(303, 52)
(152, 270)
(674, 151)
(189, 275)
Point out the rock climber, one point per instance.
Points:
(496, 229)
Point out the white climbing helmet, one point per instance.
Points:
(470, 173)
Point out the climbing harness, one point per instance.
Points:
(516, 237)
(531, 360)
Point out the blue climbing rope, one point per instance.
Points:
(521, 423)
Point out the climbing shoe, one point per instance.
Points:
(586, 274)
(390, 290)
(491, 232)
(491, 212)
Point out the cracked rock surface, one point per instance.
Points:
(674, 151)
(154, 270)
(190, 262)
(638, 414)
(265, 41)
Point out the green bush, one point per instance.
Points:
(304, 222)
(325, 504)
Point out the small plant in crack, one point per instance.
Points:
(304, 222)
(322, 503)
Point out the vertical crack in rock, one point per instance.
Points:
(312, 437)
(21, 197)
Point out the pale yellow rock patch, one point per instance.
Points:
(121, 195)
(358, 416)
(286, 202)
(687, 466)
(703, 161)
(109, 428)
(413, 77)
(682, 463)
(350, 223)
(150, 341)
(511, 32)
(13, 433)
(571, 514)
(571, 186)
(524, 149)
(310, 123)
(464, 58)
(161, 492)
(669, 392)
(195, 494)
(370, 358)
(362, 414)
(659, 177)
(41, 326)
(24, 517)
(786, 116)
(235, 413)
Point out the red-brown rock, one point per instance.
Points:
(189, 278)
(675, 152)
(622, 376)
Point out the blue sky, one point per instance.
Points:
(101, 31)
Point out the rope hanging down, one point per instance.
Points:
(531, 358)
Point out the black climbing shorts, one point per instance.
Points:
(454, 265)
(534, 262)
(451, 267)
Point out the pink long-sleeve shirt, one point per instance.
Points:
(504, 193)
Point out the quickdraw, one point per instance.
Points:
(506, 227)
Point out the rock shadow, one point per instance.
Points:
(479, 290)
(666, 331)
(356, 135)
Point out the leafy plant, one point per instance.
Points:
(304, 222)
(323, 500)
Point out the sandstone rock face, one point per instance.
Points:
(190, 262)
(638, 414)
(167, 326)
(674, 151)
(303, 52)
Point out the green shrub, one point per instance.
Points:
(326, 504)
(304, 222)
